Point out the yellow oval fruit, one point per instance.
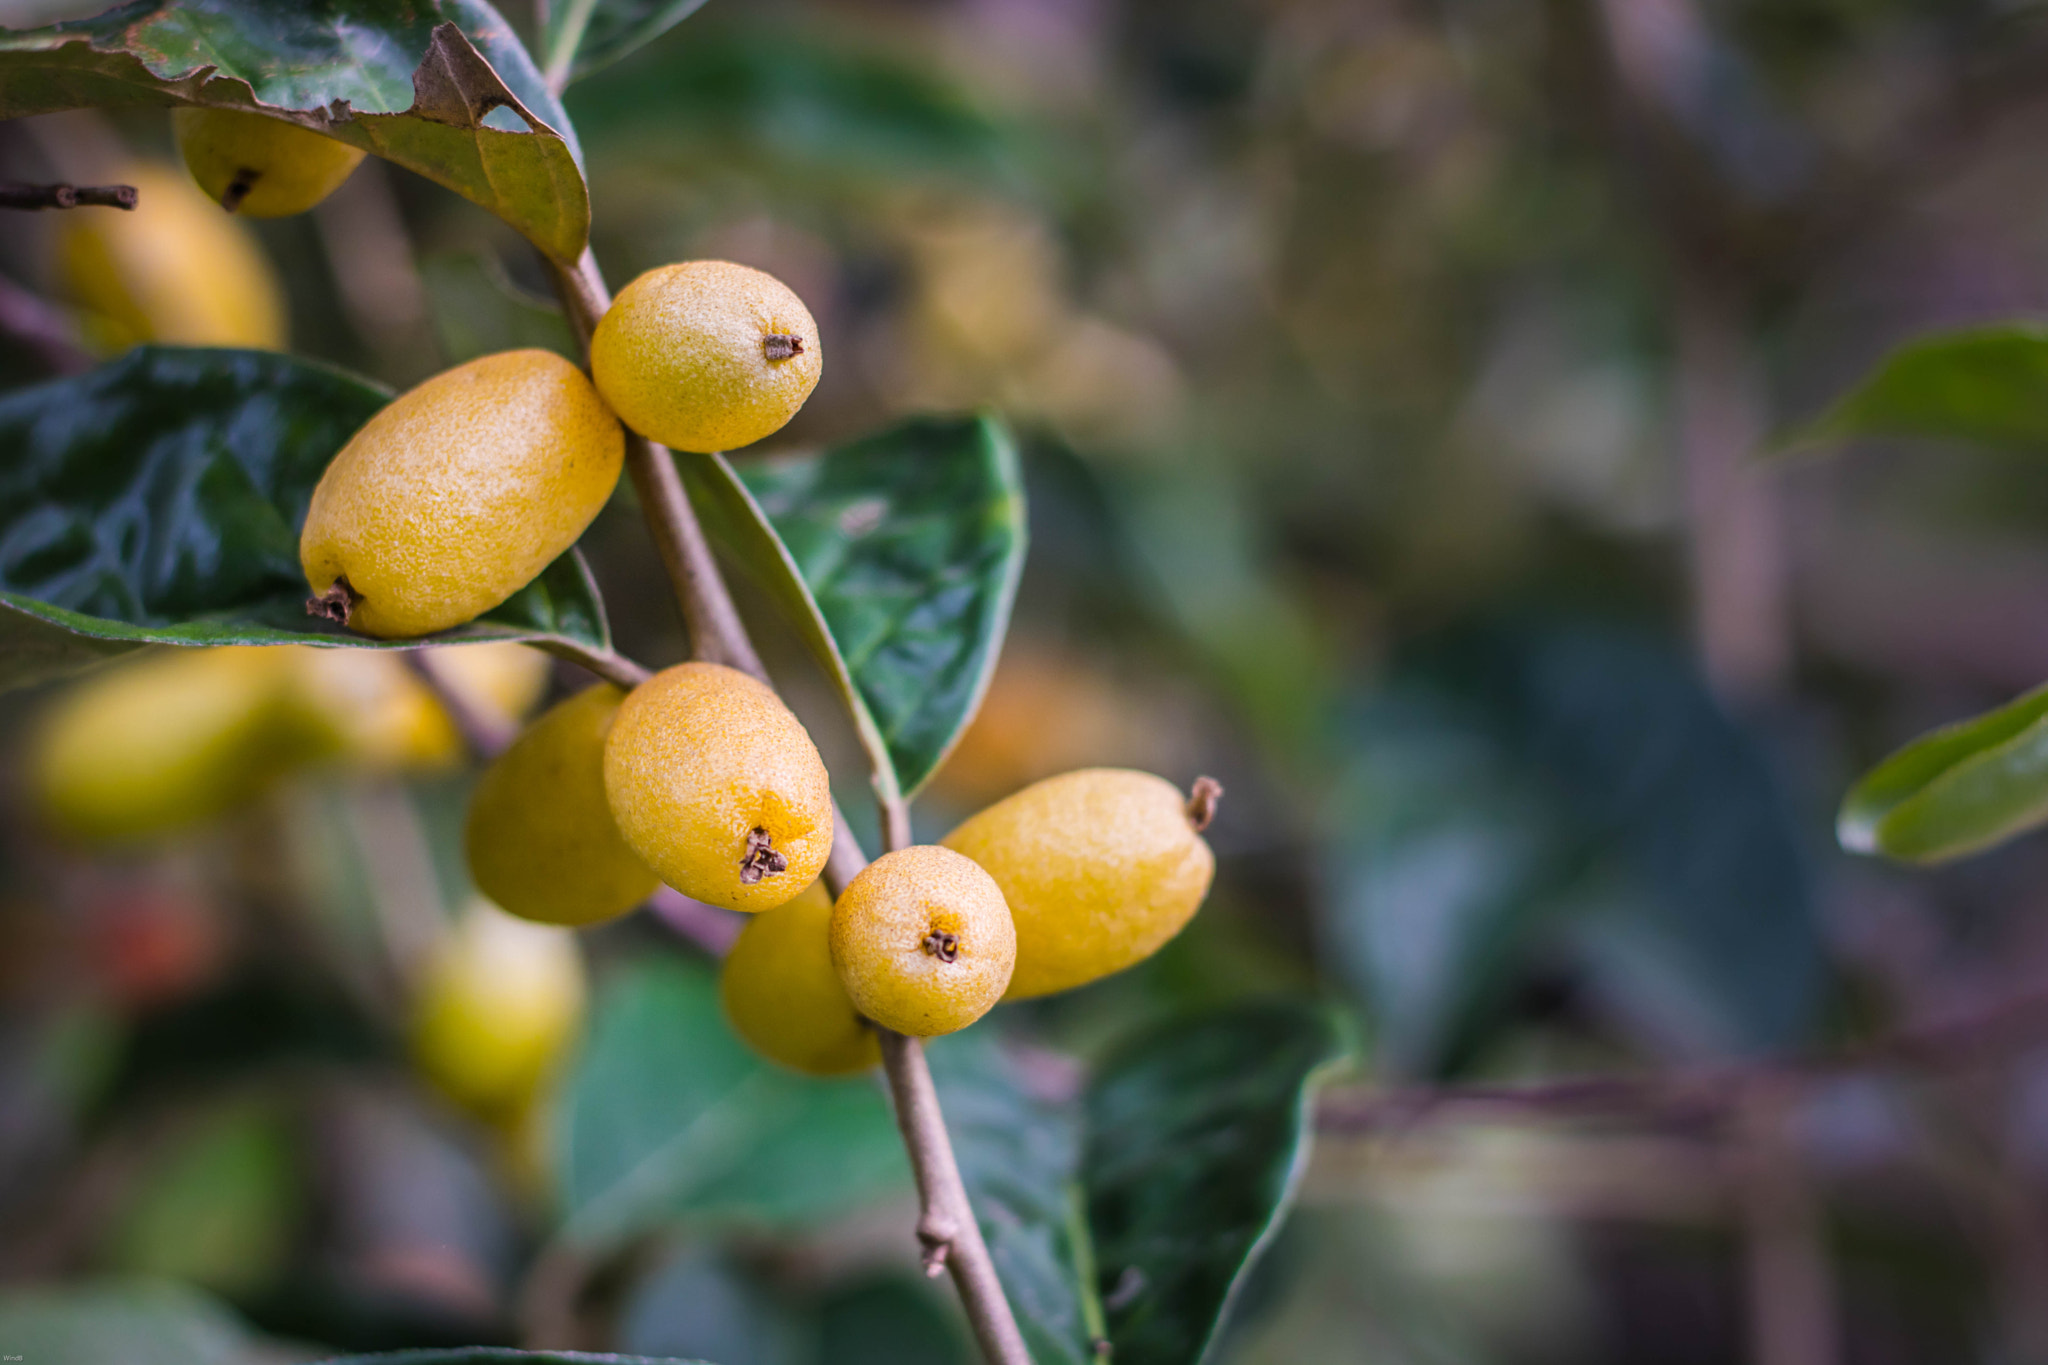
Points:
(540, 839)
(365, 709)
(923, 942)
(164, 743)
(706, 355)
(257, 166)
(497, 1008)
(718, 787)
(782, 994)
(459, 492)
(1100, 868)
(175, 269)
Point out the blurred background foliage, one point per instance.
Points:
(1391, 374)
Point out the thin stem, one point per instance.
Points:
(16, 195)
(484, 733)
(946, 1225)
(613, 668)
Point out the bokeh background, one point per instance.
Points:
(1396, 380)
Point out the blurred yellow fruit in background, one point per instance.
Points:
(541, 840)
(706, 355)
(175, 269)
(783, 995)
(718, 787)
(165, 742)
(502, 681)
(460, 492)
(1099, 867)
(366, 709)
(497, 1009)
(922, 941)
(257, 166)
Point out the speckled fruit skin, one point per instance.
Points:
(500, 1003)
(699, 757)
(1100, 868)
(175, 269)
(782, 994)
(683, 355)
(879, 929)
(289, 169)
(540, 839)
(460, 491)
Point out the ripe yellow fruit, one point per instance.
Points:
(540, 839)
(364, 709)
(167, 742)
(257, 166)
(782, 994)
(497, 1009)
(1100, 868)
(923, 942)
(706, 355)
(718, 787)
(175, 269)
(459, 492)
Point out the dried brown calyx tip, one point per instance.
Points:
(337, 604)
(238, 189)
(1202, 799)
(760, 860)
(782, 345)
(943, 946)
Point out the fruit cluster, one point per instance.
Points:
(460, 491)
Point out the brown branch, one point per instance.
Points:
(485, 734)
(42, 327)
(613, 668)
(14, 194)
(946, 1226)
(1703, 1096)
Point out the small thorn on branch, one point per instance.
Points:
(1202, 799)
(935, 1234)
(782, 345)
(760, 860)
(238, 189)
(337, 604)
(16, 195)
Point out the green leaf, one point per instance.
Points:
(1136, 1212)
(1956, 790)
(670, 1117)
(584, 35)
(157, 500)
(1198, 1133)
(898, 560)
(441, 87)
(135, 1323)
(1983, 385)
(500, 1355)
(1020, 1157)
(477, 310)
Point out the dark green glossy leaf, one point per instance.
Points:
(157, 500)
(1021, 1158)
(670, 1117)
(441, 87)
(910, 543)
(1135, 1212)
(1533, 793)
(1957, 790)
(500, 1355)
(1198, 1133)
(1984, 385)
(143, 1322)
(583, 35)
(477, 310)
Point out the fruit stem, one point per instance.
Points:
(946, 1226)
(613, 668)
